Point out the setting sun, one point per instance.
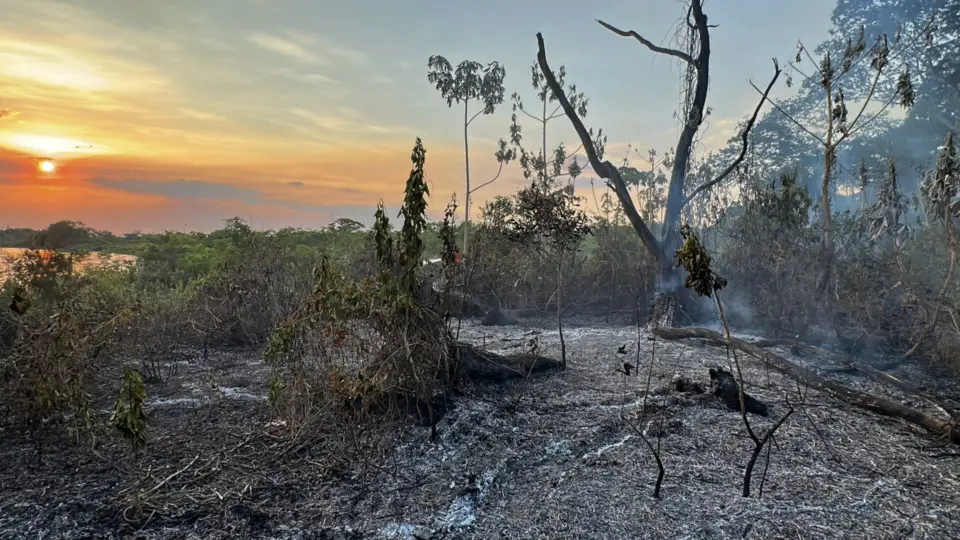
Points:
(47, 166)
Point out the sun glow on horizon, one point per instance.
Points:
(47, 165)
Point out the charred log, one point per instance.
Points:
(498, 317)
(862, 400)
(479, 366)
(686, 386)
(725, 387)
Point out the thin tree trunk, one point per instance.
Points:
(563, 343)
(466, 158)
(543, 151)
(829, 154)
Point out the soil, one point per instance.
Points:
(555, 455)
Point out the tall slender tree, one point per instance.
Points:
(471, 83)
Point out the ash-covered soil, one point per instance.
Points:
(553, 456)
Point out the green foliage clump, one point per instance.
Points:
(128, 416)
(696, 261)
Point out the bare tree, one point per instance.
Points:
(470, 81)
(664, 248)
(836, 126)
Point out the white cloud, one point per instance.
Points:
(306, 47)
(285, 47)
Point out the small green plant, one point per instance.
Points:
(550, 219)
(449, 256)
(277, 386)
(128, 416)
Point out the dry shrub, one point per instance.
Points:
(258, 283)
(618, 271)
(890, 296)
(356, 350)
(606, 272)
(885, 288)
(164, 325)
(61, 355)
(364, 350)
(767, 253)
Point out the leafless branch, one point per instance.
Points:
(744, 137)
(794, 67)
(807, 54)
(759, 444)
(474, 117)
(789, 117)
(604, 169)
(524, 111)
(647, 43)
(485, 184)
(866, 101)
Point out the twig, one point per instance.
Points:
(171, 477)
(647, 43)
(748, 472)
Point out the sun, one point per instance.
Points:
(47, 165)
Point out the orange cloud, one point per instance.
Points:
(129, 193)
(181, 126)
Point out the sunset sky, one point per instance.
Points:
(173, 114)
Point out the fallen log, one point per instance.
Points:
(499, 317)
(481, 366)
(848, 365)
(861, 400)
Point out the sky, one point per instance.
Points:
(177, 114)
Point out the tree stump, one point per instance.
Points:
(664, 311)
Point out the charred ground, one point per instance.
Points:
(547, 456)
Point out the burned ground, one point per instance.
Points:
(544, 457)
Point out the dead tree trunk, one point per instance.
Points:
(862, 400)
(662, 250)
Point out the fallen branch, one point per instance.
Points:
(861, 400)
(150, 491)
(847, 365)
